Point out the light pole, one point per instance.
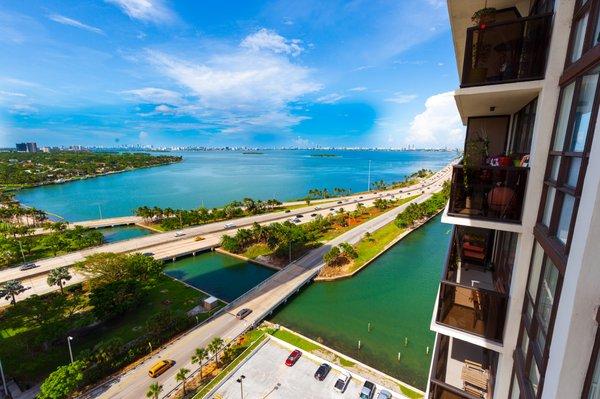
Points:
(3, 380)
(369, 180)
(69, 339)
(241, 382)
(22, 253)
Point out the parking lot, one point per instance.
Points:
(267, 376)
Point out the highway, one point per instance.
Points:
(262, 300)
(173, 244)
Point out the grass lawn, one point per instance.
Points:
(295, 340)
(29, 363)
(256, 250)
(367, 248)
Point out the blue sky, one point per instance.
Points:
(269, 73)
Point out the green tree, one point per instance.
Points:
(348, 250)
(58, 277)
(332, 256)
(181, 376)
(54, 241)
(116, 298)
(10, 289)
(63, 382)
(215, 347)
(200, 354)
(154, 390)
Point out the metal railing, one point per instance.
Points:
(508, 51)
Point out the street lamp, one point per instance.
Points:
(69, 339)
(241, 382)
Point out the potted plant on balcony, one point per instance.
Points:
(484, 17)
(476, 152)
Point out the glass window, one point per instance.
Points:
(578, 38)
(563, 117)
(564, 222)
(596, 39)
(574, 166)
(554, 171)
(547, 291)
(534, 377)
(535, 270)
(583, 111)
(515, 393)
(548, 207)
(524, 342)
(594, 392)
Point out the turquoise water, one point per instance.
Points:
(223, 276)
(114, 234)
(216, 177)
(396, 294)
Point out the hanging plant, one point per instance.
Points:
(484, 17)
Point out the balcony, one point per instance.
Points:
(475, 285)
(461, 370)
(509, 51)
(493, 193)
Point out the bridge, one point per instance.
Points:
(263, 299)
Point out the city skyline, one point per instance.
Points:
(268, 75)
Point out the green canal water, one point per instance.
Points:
(396, 294)
(114, 234)
(223, 276)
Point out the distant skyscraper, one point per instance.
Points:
(27, 147)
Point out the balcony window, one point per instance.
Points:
(474, 290)
(462, 370)
(506, 51)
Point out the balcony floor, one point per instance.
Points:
(463, 317)
(458, 353)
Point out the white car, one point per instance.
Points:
(383, 394)
(342, 383)
(179, 234)
(229, 225)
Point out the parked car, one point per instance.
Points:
(383, 394)
(342, 383)
(293, 358)
(243, 313)
(322, 371)
(160, 367)
(367, 391)
(28, 266)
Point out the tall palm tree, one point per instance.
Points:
(58, 277)
(198, 357)
(181, 376)
(154, 390)
(10, 289)
(215, 347)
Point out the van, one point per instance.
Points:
(160, 367)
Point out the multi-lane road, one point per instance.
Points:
(177, 243)
(262, 300)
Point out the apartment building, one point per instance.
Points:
(517, 309)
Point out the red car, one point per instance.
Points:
(293, 358)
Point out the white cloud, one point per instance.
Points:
(155, 95)
(143, 135)
(358, 88)
(154, 11)
(266, 39)
(400, 98)
(23, 109)
(440, 64)
(11, 94)
(61, 19)
(331, 98)
(439, 125)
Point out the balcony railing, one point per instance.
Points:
(477, 366)
(508, 51)
(493, 193)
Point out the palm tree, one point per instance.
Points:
(10, 289)
(198, 357)
(154, 390)
(181, 376)
(215, 347)
(58, 277)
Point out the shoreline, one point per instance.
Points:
(242, 257)
(386, 248)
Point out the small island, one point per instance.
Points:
(20, 170)
(252, 153)
(324, 155)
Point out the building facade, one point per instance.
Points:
(516, 314)
(26, 147)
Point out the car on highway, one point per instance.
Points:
(332, 209)
(179, 234)
(299, 215)
(360, 197)
(293, 358)
(148, 254)
(339, 202)
(229, 225)
(295, 220)
(243, 313)
(160, 367)
(342, 383)
(28, 266)
(322, 372)
(317, 208)
(313, 214)
(367, 391)
(287, 211)
(384, 394)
